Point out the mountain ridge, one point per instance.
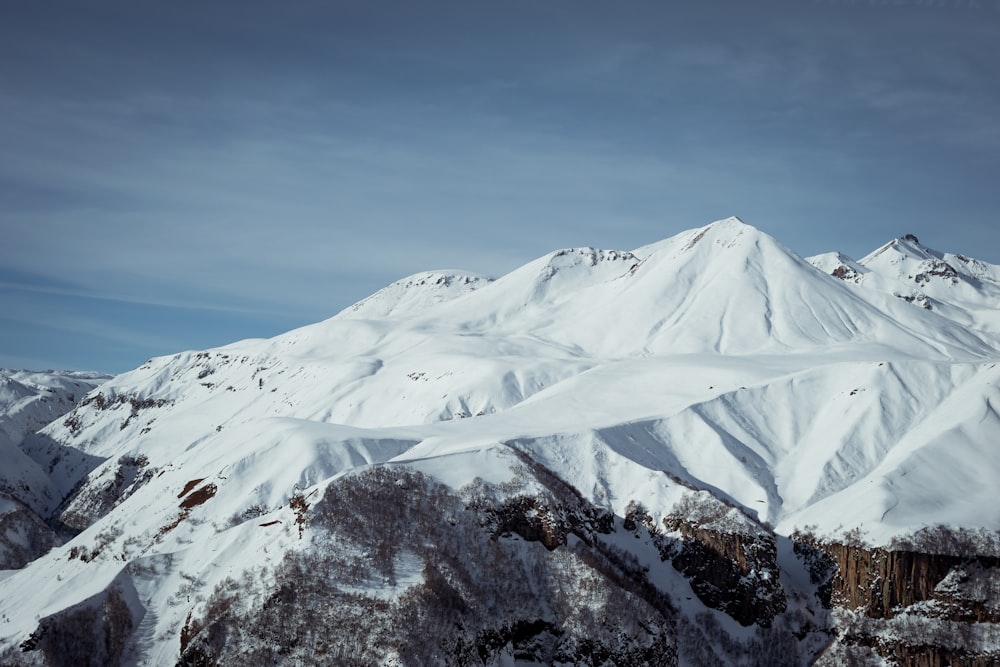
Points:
(714, 374)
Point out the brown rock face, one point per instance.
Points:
(913, 608)
(934, 656)
(883, 582)
(531, 520)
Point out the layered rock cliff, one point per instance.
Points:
(911, 607)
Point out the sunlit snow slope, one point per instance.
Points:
(825, 392)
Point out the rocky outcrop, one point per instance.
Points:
(907, 655)
(532, 520)
(911, 607)
(548, 518)
(732, 561)
(479, 597)
(884, 582)
(74, 420)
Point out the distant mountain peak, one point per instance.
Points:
(905, 246)
(723, 232)
(909, 243)
(731, 224)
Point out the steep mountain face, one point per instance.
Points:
(29, 401)
(707, 450)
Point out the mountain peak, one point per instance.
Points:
(910, 244)
(730, 224)
(729, 232)
(905, 246)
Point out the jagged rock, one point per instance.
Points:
(731, 561)
(911, 607)
(882, 582)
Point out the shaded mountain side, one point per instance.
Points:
(28, 401)
(410, 570)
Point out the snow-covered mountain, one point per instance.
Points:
(29, 401)
(672, 454)
(960, 288)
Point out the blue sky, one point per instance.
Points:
(182, 175)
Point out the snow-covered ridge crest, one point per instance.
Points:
(416, 293)
(953, 285)
(723, 234)
(906, 256)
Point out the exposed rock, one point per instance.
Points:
(527, 517)
(481, 598)
(883, 582)
(935, 268)
(538, 519)
(846, 273)
(732, 562)
(909, 655)
(910, 607)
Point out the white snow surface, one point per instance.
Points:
(717, 357)
(28, 401)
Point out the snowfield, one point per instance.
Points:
(844, 396)
(28, 401)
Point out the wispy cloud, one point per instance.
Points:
(286, 163)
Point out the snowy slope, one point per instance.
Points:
(413, 294)
(31, 399)
(960, 288)
(28, 401)
(803, 392)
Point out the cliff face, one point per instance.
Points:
(734, 573)
(884, 583)
(730, 560)
(530, 570)
(909, 607)
(485, 577)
